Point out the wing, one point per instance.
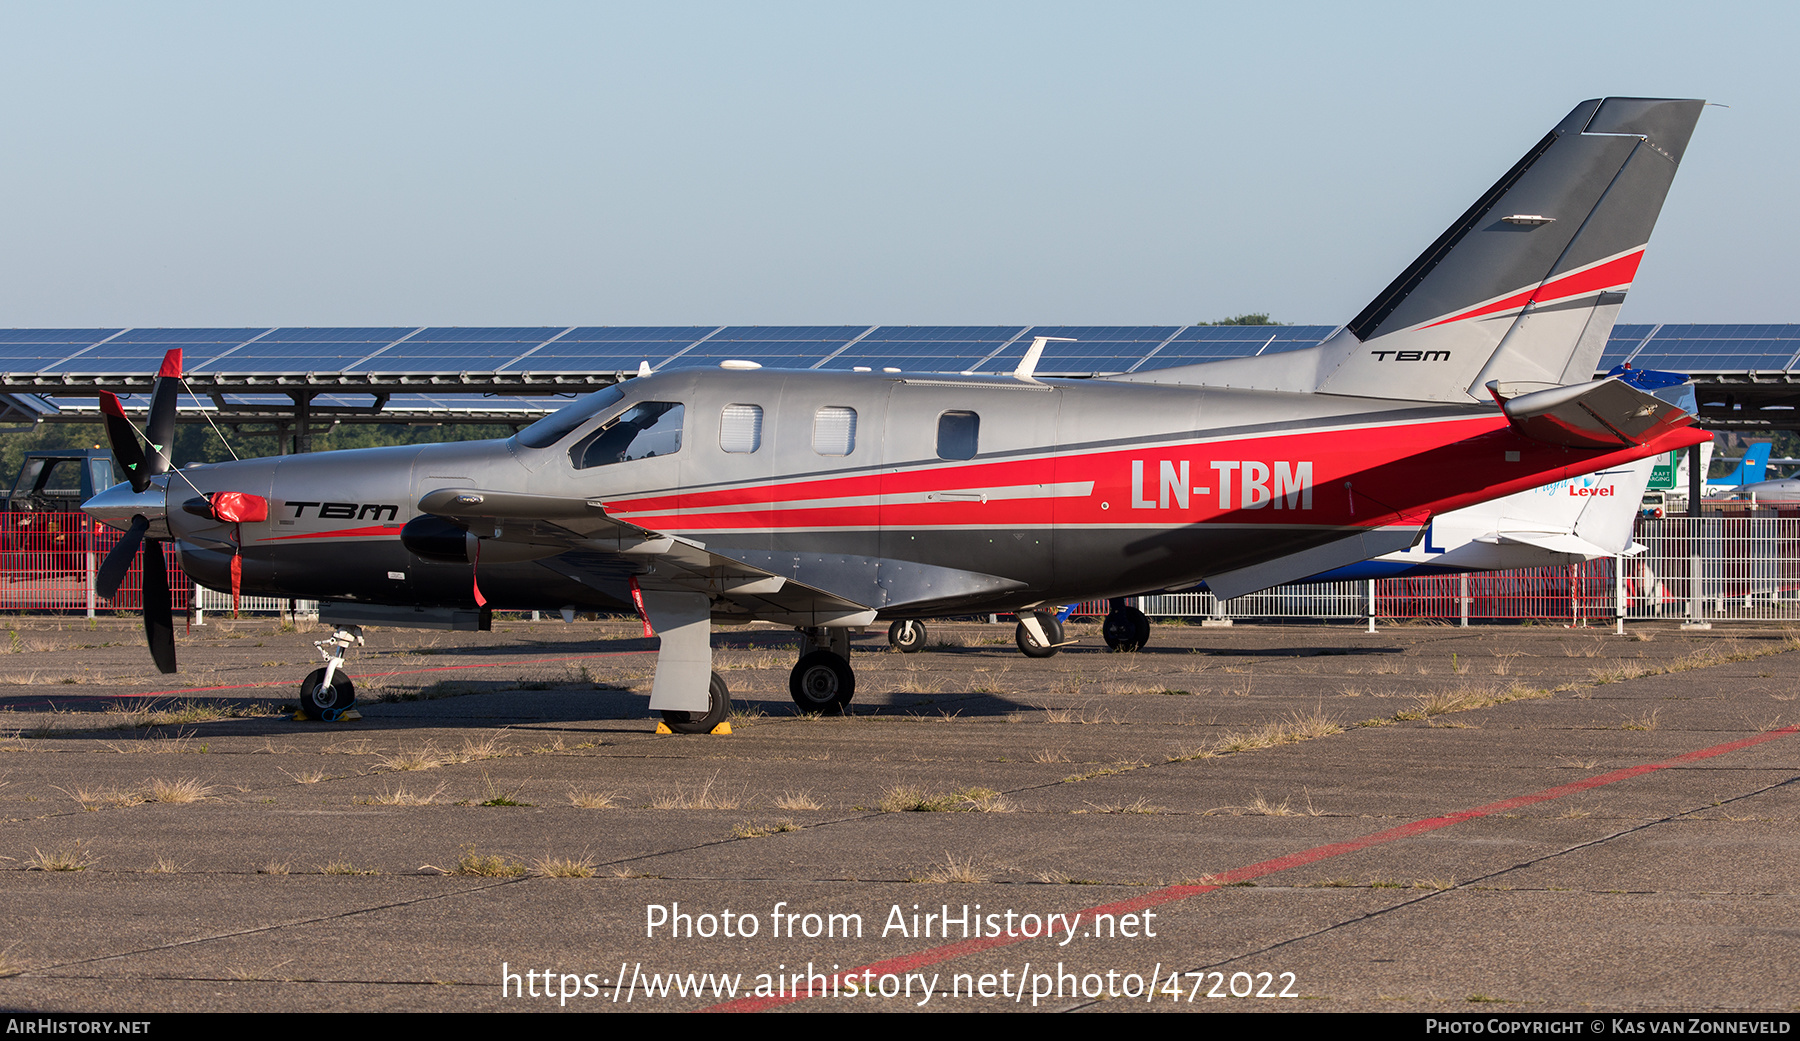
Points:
(590, 541)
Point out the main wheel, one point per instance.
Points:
(717, 708)
(326, 702)
(907, 637)
(822, 682)
(1126, 629)
(1031, 648)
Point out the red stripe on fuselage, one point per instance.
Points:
(340, 533)
(1361, 477)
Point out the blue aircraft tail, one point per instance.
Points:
(1751, 469)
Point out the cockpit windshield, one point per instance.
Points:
(558, 425)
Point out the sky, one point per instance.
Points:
(174, 164)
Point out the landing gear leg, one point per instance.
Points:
(822, 680)
(327, 693)
(691, 697)
(1125, 628)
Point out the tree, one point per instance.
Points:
(1259, 318)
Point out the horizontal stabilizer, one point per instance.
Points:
(1557, 542)
(1364, 545)
(1607, 413)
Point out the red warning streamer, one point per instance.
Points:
(637, 600)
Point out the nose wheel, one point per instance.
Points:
(907, 637)
(326, 700)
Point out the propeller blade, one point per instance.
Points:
(160, 428)
(118, 559)
(159, 611)
(124, 441)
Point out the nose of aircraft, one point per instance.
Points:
(116, 506)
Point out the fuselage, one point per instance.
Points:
(908, 494)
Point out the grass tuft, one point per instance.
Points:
(487, 865)
(951, 869)
(186, 790)
(796, 801)
(400, 796)
(705, 797)
(584, 799)
(344, 867)
(908, 798)
(72, 857)
(564, 867)
(426, 757)
(754, 830)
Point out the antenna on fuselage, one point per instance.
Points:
(1029, 363)
(644, 367)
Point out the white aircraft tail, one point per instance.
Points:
(1522, 288)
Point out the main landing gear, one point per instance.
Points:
(1125, 628)
(822, 680)
(718, 707)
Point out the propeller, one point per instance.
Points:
(141, 468)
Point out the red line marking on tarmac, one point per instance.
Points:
(368, 675)
(1170, 894)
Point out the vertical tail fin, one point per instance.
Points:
(1751, 469)
(1522, 288)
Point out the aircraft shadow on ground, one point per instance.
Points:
(473, 706)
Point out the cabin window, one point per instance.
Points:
(958, 435)
(834, 430)
(740, 428)
(645, 430)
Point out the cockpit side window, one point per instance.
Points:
(646, 429)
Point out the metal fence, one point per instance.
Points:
(47, 563)
(1747, 563)
(1742, 566)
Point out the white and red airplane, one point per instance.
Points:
(831, 500)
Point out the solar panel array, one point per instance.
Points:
(601, 350)
(1705, 348)
(591, 349)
